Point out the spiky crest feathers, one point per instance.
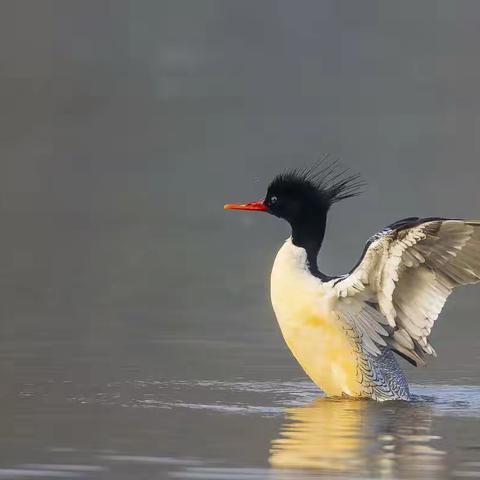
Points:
(330, 182)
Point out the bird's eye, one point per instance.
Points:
(273, 200)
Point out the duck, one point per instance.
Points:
(348, 331)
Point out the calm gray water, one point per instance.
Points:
(137, 339)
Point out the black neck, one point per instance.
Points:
(308, 234)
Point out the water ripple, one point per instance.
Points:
(264, 397)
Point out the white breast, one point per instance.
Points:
(294, 289)
(305, 310)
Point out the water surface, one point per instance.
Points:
(237, 430)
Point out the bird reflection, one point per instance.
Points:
(359, 437)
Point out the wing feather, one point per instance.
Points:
(406, 275)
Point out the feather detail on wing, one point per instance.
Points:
(403, 280)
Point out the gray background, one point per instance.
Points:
(124, 128)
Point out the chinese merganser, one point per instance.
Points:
(344, 330)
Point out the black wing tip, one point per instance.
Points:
(414, 360)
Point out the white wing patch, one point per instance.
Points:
(407, 274)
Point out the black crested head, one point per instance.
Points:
(297, 194)
(303, 198)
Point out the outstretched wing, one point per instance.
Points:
(399, 287)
